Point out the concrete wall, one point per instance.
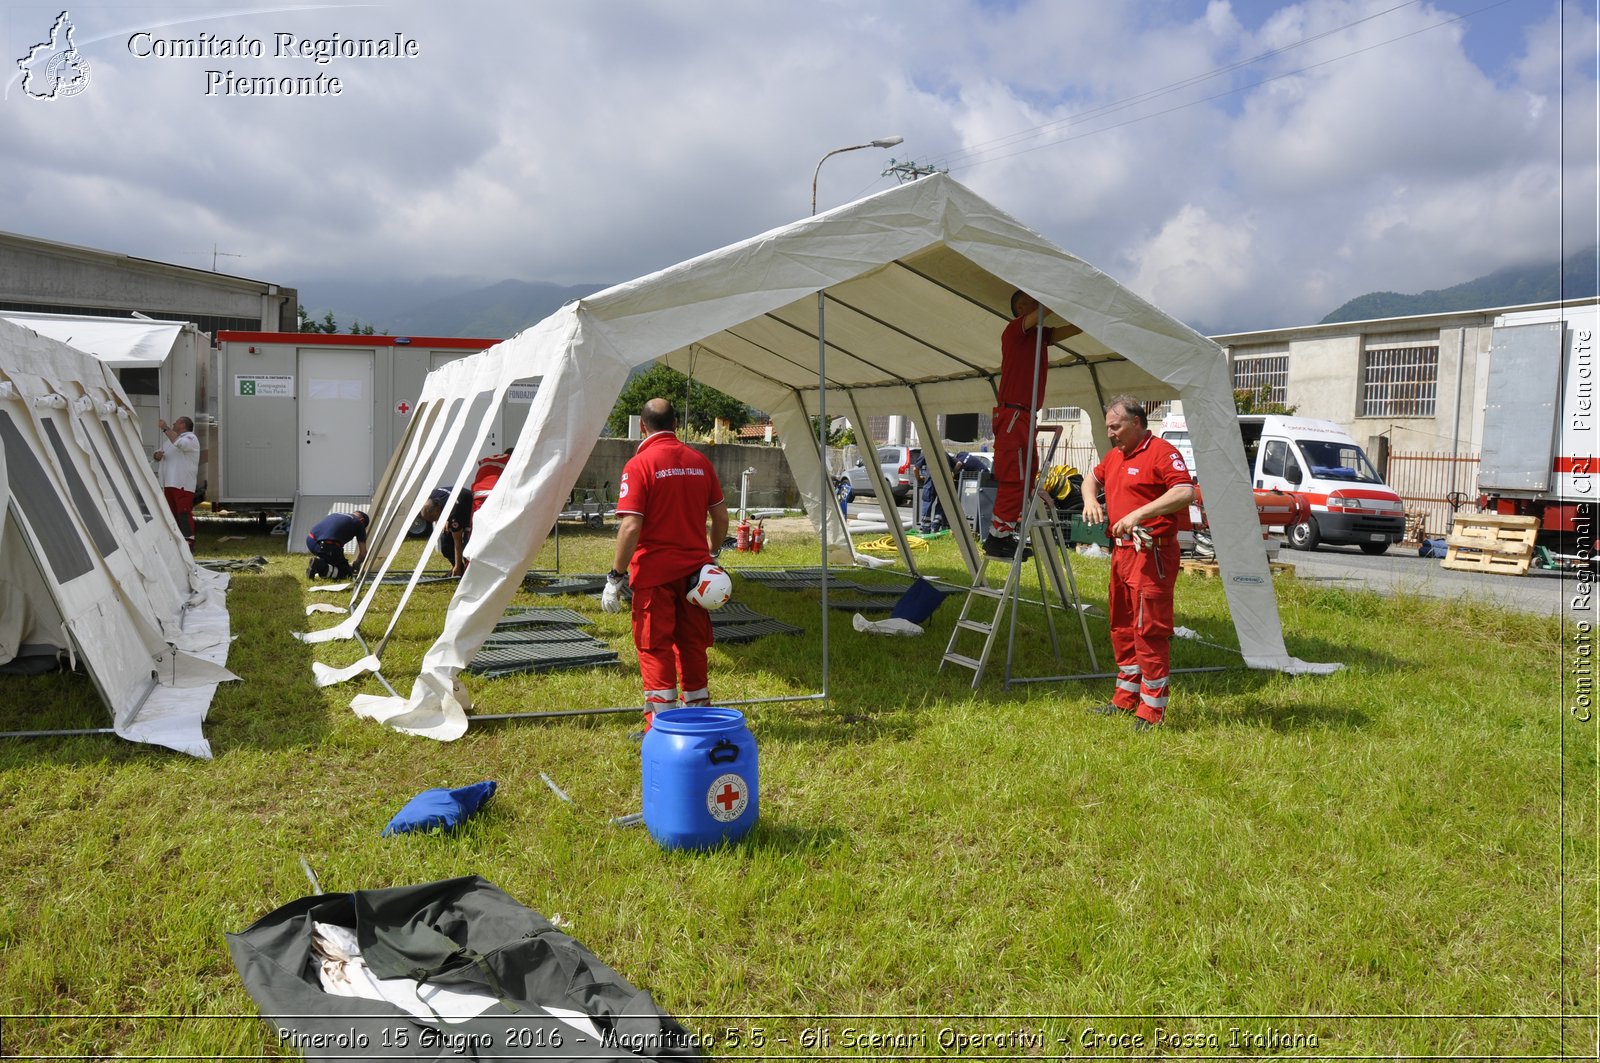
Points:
(47, 274)
(772, 486)
(1325, 375)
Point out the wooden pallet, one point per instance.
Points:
(1491, 543)
(1209, 569)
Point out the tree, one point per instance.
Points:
(1259, 400)
(704, 405)
(329, 326)
(843, 436)
(308, 325)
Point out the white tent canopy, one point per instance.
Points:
(125, 343)
(91, 563)
(916, 284)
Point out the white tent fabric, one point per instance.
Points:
(91, 562)
(126, 343)
(916, 282)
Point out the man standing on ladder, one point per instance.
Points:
(1023, 367)
(1148, 492)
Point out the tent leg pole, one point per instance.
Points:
(1108, 675)
(59, 734)
(559, 713)
(367, 652)
(822, 453)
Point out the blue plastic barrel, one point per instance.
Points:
(699, 770)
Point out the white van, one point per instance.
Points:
(1346, 501)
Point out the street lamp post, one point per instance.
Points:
(882, 142)
(829, 499)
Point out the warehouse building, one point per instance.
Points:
(44, 276)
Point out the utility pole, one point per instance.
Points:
(910, 171)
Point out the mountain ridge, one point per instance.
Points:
(1571, 278)
(478, 307)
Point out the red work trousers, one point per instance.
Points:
(181, 503)
(1141, 626)
(672, 635)
(1013, 436)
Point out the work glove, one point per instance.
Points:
(616, 592)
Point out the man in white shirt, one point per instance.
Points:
(179, 456)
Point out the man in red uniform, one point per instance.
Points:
(1148, 492)
(1024, 364)
(486, 476)
(666, 493)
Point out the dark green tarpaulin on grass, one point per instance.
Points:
(463, 934)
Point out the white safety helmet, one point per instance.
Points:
(712, 588)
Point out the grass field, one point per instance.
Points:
(1397, 860)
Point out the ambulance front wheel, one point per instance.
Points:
(1375, 548)
(1305, 536)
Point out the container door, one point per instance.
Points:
(336, 421)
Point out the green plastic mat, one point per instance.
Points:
(492, 662)
(428, 576)
(543, 633)
(572, 583)
(811, 579)
(523, 615)
(750, 630)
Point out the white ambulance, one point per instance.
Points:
(1342, 499)
(1318, 461)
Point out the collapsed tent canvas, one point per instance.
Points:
(453, 970)
(92, 565)
(915, 283)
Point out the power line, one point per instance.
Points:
(910, 171)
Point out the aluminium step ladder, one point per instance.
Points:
(1043, 536)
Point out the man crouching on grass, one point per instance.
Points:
(1148, 492)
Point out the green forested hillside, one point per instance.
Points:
(1573, 278)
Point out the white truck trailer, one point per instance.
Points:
(1539, 431)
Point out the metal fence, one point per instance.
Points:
(1434, 486)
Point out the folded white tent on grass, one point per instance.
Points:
(91, 563)
(914, 290)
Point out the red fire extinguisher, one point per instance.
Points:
(742, 536)
(758, 537)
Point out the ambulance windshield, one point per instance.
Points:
(1338, 461)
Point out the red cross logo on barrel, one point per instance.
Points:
(402, 407)
(726, 798)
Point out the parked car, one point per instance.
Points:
(896, 464)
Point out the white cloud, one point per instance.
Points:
(1196, 263)
(596, 140)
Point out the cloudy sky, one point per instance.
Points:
(1242, 163)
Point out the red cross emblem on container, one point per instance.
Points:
(726, 798)
(402, 407)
